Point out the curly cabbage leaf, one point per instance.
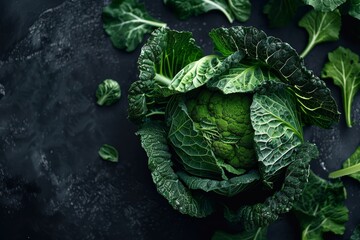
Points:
(126, 22)
(321, 208)
(262, 214)
(277, 130)
(313, 97)
(257, 234)
(164, 54)
(153, 140)
(321, 27)
(344, 68)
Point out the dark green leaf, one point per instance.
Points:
(185, 9)
(258, 234)
(355, 8)
(344, 68)
(109, 153)
(321, 27)
(126, 22)
(108, 92)
(228, 188)
(280, 12)
(321, 208)
(313, 97)
(153, 140)
(324, 5)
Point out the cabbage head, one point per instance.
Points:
(224, 132)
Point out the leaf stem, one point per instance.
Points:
(162, 79)
(345, 171)
(155, 113)
(219, 7)
(308, 48)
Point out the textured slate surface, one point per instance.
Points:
(53, 185)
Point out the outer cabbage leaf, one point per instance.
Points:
(313, 97)
(126, 22)
(355, 8)
(257, 234)
(277, 130)
(321, 27)
(344, 68)
(227, 188)
(161, 58)
(324, 5)
(241, 9)
(153, 140)
(321, 208)
(280, 12)
(242, 78)
(185, 9)
(262, 214)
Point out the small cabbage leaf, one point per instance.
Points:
(257, 234)
(109, 153)
(351, 167)
(280, 12)
(242, 78)
(164, 54)
(344, 68)
(356, 234)
(355, 8)
(314, 98)
(126, 22)
(321, 208)
(185, 9)
(241, 9)
(321, 27)
(228, 188)
(108, 92)
(324, 5)
(277, 130)
(153, 140)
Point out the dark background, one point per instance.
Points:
(53, 185)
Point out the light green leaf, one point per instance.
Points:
(313, 97)
(126, 22)
(185, 9)
(153, 140)
(278, 130)
(109, 153)
(321, 27)
(242, 78)
(108, 92)
(257, 234)
(351, 167)
(241, 9)
(228, 188)
(355, 8)
(280, 12)
(321, 208)
(324, 5)
(344, 68)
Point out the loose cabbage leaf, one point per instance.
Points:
(324, 5)
(355, 8)
(153, 140)
(321, 27)
(351, 167)
(109, 153)
(344, 68)
(126, 22)
(185, 9)
(280, 12)
(257, 234)
(321, 208)
(278, 131)
(241, 9)
(227, 188)
(296, 176)
(242, 78)
(164, 54)
(356, 234)
(314, 98)
(108, 92)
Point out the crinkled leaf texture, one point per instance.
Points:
(313, 97)
(321, 208)
(324, 5)
(344, 68)
(153, 140)
(262, 214)
(280, 12)
(257, 234)
(185, 9)
(278, 130)
(126, 22)
(164, 54)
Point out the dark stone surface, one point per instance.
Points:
(53, 185)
